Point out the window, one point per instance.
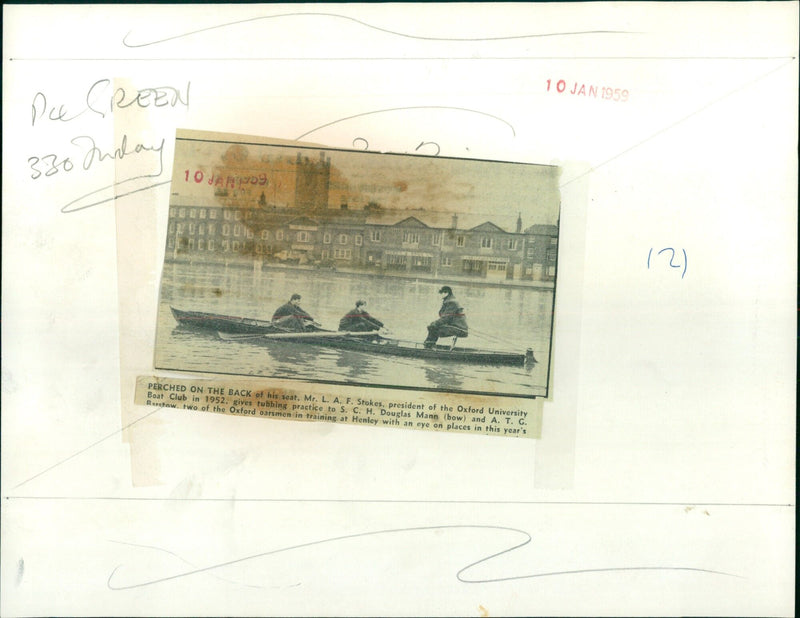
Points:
(459, 241)
(511, 244)
(202, 213)
(171, 228)
(191, 228)
(396, 262)
(411, 237)
(201, 244)
(235, 245)
(326, 254)
(446, 261)
(237, 215)
(436, 239)
(180, 228)
(421, 263)
(326, 238)
(192, 213)
(551, 271)
(237, 229)
(486, 242)
(173, 212)
(342, 238)
(342, 254)
(212, 228)
(359, 240)
(551, 255)
(201, 229)
(279, 235)
(264, 235)
(375, 235)
(191, 243)
(553, 241)
(303, 236)
(248, 232)
(531, 252)
(226, 229)
(171, 243)
(227, 215)
(212, 214)
(210, 245)
(226, 245)
(182, 213)
(497, 266)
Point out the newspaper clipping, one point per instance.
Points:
(405, 275)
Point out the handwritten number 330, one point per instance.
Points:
(51, 163)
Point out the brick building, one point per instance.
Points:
(389, 243)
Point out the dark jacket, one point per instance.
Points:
(452, 322)
(290, 310)
(359, 321)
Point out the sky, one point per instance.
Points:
(496, 191)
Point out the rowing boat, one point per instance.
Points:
(262, 332)
(215, 322)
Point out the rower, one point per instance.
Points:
(359, 321)
(291, 317)
(451, 323)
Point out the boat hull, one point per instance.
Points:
(261, 332)
(410, 349)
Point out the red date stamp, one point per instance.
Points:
(588, 90)
(218, 180)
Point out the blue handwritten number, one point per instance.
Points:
(672, 263)
(671, 258)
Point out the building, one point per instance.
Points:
(390, 243)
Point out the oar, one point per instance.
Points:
(314, 335)
(302, 335)
(237, 336)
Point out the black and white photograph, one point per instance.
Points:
(362, 268)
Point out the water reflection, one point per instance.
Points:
(500, 318)
(444, 378)
(355, 365)
(289, 355)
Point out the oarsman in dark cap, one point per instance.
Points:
(451, 323)
(359, 321)
(291, 317)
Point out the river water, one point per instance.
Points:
(499, 318)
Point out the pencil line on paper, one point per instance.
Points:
(83, 450)
(406, 35)
(416, 107)
(679, 121)
(526, 539)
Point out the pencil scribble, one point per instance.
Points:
(335, 16)
(401, 109)
(461, 575)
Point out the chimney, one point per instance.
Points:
(454, 223)
(519, 223)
